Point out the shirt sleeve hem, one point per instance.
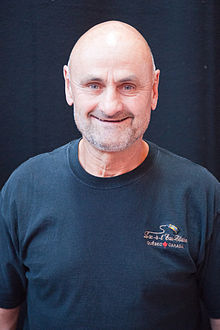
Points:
(214, 314)
(10, 304)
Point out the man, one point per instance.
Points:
(111, 231)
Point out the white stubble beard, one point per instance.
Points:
(127, 137)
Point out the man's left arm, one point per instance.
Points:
(215, 324)
(209, 276)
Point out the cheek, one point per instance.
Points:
(139, 106)
(84, 104)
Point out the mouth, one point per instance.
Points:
(110, 120)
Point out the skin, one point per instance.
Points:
(215, 324)
(9, 318)
(112, 83)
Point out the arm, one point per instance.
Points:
(9, 318)
(215, 324)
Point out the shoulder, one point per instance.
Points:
(179, 168)
(176, 173)
(43, 159)
(37, 169)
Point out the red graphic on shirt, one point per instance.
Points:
(165, 244)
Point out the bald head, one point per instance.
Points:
(112, 83)
(113, 36)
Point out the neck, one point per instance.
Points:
(108, 164)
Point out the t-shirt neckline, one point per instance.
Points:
(109, 182)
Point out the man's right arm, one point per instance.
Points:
(9, 318)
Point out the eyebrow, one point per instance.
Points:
(94, 78)
(90, 78)
(129, 78)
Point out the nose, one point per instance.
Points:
(110, 102)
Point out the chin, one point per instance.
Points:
(111, 147)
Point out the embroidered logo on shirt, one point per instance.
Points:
(167, 237)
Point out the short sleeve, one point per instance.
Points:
(210, 279)
(12, 273)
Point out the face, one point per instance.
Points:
(113, 91)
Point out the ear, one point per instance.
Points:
(155, 89)
(68, 90)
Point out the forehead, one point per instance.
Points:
(119, 61)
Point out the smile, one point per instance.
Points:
(109, 120)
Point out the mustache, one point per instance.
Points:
(118, 116)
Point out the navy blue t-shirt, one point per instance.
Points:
(135, 251)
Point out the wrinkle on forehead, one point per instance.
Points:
(113, 35)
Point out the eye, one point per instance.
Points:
(94, 86)
(128, 87)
